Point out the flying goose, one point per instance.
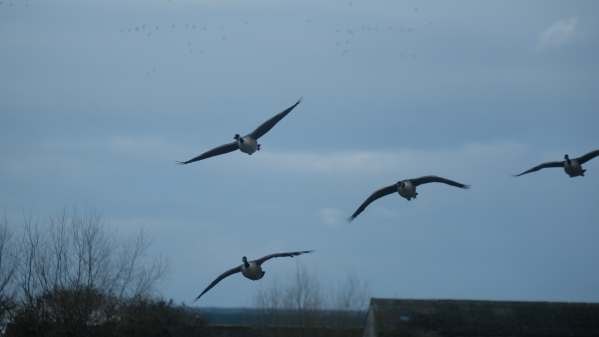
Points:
(405, 188)
(248, 143)
(251, 269)
(573, 167)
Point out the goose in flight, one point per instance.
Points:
(405, 188)
(248, 143)
(251, 269)
(573, 167)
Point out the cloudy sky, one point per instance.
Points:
(98, 99)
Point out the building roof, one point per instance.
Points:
(398, 317)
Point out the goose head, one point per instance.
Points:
(245, 261)
(238, 138)
(567, 158)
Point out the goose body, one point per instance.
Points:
(251, 269)
(572, 166)
(405, 188)
(248, 143)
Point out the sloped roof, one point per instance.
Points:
(397, 317)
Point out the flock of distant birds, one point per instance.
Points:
(345, 35)
(405, 188)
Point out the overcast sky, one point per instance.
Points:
(98, 99)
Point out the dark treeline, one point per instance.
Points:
(70, 275)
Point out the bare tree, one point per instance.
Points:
(75, 271)
(304, 293)
(305, 304)
(8, 267)
(297, 304)
(136, 275)
(79, 251)
(72, 275)
(351, 294)
(29, 250)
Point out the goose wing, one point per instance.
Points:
(378, 194)
(218, 279)
(261, 260)
(435, 179)
(214, 152)
(587, 157)
(542, 166)
(266, 126)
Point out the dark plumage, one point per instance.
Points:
(253, 137)
(376, 195)
(572, 166)
(256, 264)
(405, 188)
(269, 124)
(230, 147)
(542, 166)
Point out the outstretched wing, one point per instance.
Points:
(378, 194)
(542, 166)
(587, 157)
(214, 152)
(435, 179)
(218, 279)
(266, 126)
(261, 260)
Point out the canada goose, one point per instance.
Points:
(405, 188)
(251, 269)
(248, 143)
(572, 167)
